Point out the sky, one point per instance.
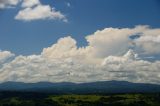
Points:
(80, 40)
(84, 18)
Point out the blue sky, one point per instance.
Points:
(80, 40)
(84, 18)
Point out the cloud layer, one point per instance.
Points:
(33, 10)
(111, 54)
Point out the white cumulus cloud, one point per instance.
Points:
(8, 3)
(111, 54)
(149, 41)
(30, 3)
(33, 10)
(4, 55)
(39, 12)
(117, 41)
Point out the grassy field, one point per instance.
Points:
(82, 100)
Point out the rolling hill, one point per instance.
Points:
(82, 88)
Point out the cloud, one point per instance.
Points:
(4, 55)
(133, 70)
(149, 41)
(111, 54)
(33, 10)
(30, 3)
(39, 12)
(63, 48)
(8, 3)
(68, 4)
(117, 41)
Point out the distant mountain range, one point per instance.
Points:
(82, 88)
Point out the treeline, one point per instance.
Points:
(44, 99)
